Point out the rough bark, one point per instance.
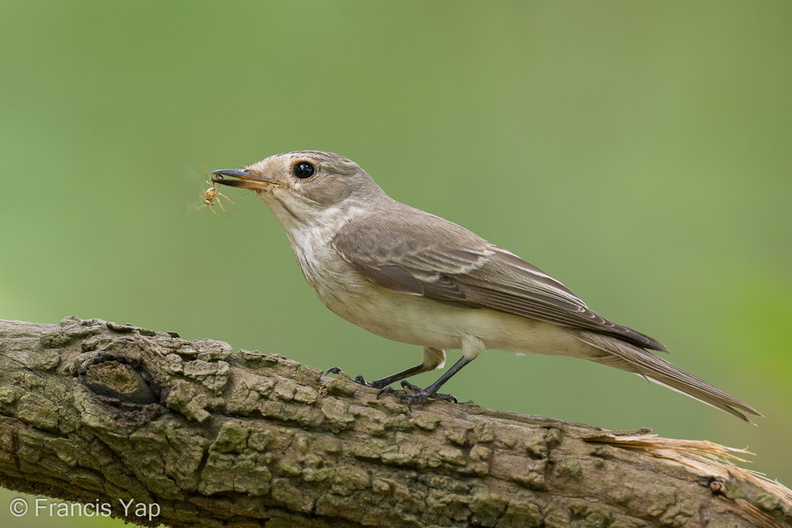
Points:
(96, 412)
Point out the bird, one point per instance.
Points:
(413, 277)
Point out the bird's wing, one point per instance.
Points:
(432, 257)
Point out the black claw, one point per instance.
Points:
(357, 379)
(360, 380)
(409, 386)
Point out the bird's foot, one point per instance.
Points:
(416, 394)
(357, 379)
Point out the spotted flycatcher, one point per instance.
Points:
(414, 277)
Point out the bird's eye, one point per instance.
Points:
(303, 170)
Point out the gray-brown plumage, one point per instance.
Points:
(414, 277)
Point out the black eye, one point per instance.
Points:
(303, 170)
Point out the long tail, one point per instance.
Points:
(625, 356)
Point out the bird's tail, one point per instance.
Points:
(625, 356)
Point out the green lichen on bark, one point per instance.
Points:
(91, 410)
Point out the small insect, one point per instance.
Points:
(212, 197)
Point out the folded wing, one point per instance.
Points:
(435, 258)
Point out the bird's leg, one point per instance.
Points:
(418, 394)
(471, 347)
(393, 378)
(382, 382)
(433, 358)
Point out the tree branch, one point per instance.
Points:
(96, 412)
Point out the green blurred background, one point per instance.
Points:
(640, 152)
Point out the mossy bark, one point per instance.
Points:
(92, 411)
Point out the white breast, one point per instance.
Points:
(411, 318)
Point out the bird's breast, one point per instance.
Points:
(416, 319)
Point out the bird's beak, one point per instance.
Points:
(245, 179)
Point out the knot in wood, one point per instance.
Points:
(119, 381)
